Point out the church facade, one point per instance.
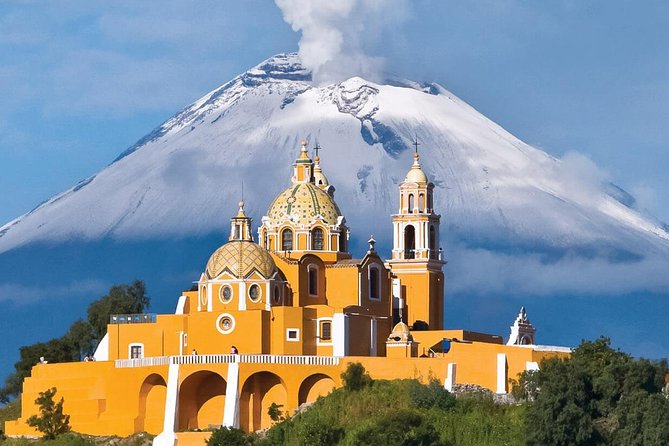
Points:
(278, 320)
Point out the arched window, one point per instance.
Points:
(411, 203)
(409, 242)
(312, 279)
(433, 243)
(286, 240)
(317, 239)
(421, 203)
(429, 202)
(374, 283)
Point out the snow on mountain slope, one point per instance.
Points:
(493, 190)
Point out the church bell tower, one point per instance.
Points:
(416, 258)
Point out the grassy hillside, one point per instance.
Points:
(401, 412)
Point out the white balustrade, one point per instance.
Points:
(227, 359)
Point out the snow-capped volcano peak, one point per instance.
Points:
(494, 191)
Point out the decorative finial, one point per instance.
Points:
(415, 153)
(371, 242)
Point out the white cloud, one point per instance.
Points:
(19, 294)
(480, 271)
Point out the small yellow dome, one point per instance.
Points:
(400, 332)
(240, 258)
(301, 203)
(416, 174)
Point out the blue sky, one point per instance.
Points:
(81, 81)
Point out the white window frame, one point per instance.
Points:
(319, 321)
(218, 323)
(297, 337)
(136, 344)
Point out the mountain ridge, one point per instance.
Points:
(495, 176)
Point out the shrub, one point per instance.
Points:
(316, 432)
(355, 377)
(275, 413)
(432, 394)
(229, 436)
(526, 387)
(51, 421)
(404, 427)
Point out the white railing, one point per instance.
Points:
(229, 358)
(142, 362)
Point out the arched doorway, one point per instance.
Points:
(314, 386)
(201, 400)
(151, 411)
(258, 393)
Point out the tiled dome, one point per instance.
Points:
(301, 203)
(240, 258)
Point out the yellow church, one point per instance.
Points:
(278, 320)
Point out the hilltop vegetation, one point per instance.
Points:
(400, 412)
(598, 396)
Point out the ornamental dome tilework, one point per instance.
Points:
(301, 203)
(240, 258)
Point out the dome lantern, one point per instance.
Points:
(240, 225)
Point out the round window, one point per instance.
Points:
(225, 323)
(254, 292)
(225, 294)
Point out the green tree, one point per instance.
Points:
(599, 396)
(122, 299)
(230, 436)
(355, 377)
(275, 413)
(51, 420)
(526, 387)
(81, 337)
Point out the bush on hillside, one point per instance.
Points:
(51, 420)
(229, 436)
(404, 427)
(318, 432)
(432, 394)
(599, 396)
(355, 377)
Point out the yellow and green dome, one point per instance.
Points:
(240, 258)
(301, 203)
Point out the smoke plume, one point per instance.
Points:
(337, 34)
